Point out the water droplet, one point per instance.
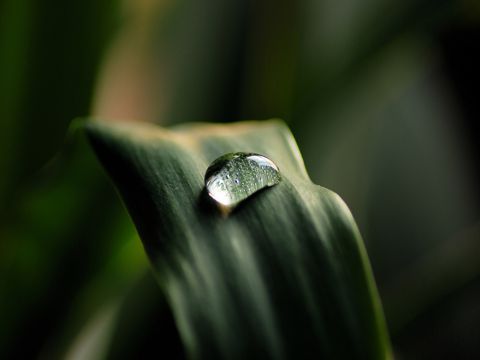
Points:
(234, 177)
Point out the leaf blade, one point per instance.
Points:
(284, 276)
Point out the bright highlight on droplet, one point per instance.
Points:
(234, 177)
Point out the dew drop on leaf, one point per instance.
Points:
(234, 177)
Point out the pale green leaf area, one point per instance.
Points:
(285, 275)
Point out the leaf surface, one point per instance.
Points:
(285, 275)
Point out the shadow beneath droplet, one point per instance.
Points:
(207, 206)
(257, 196)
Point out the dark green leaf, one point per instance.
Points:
(283, 276)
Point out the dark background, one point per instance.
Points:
(381, 95)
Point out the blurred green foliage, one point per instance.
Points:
(379, 94)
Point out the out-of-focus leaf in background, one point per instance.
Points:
(66, 244)
(49, 53)
(71, 247)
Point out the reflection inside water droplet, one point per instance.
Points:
(234, 177)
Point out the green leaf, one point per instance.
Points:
(129, 326)
(143, 318)
(67, 41)
(285, 275)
